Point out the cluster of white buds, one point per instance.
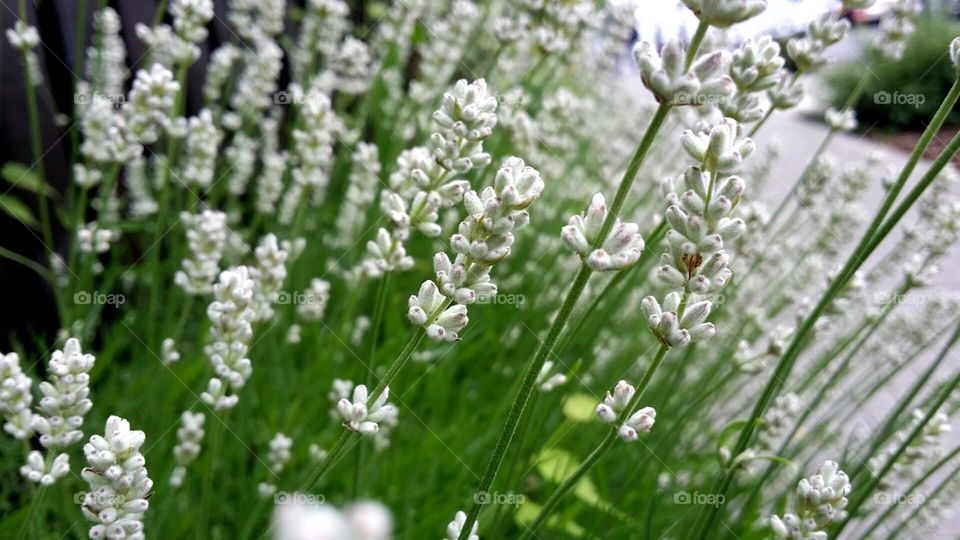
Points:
(484, 238)
(207, 239)
(256, 86)
(106, 135)
(351, 66)
(150, 103)
(313, 157)
(725, 13)
(845, 120)
(821, 500)
(926, 447)
(614, 404)
(787, 93)
(25, 38)
(621, 247)
(94, 239)
(324, 24)
(546, 381)
(231, 316)
(15, 396)
(106, 67)
(673, 329)
(203, 141)
(59, 415)
(807, 52)
(777, 421)
(189, 439)
(277, 458)
(190, 18)
(361, 192)
(253, 19)
(313, 303)
(363, 416)
(268, 275)
(421, 183)
(755, 66)
(119, 485)
(896, 25)
(666, 76)
(168, 351)
(455, 527)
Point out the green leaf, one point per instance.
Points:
(20, 176)
(15, 208)
(580, 407)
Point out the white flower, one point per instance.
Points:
(148, 107)
(639, 422)
(206, 238)
(547, 382)
(955, 53)
(724, 13)
(845, 120)
(664, 74)
(387, 254)
(455, 527)
(821, 501)
(37, 470)
(59, 416)
(787, 93)
(190, 18)
(756, 65)
(620, 249)
(231, 316)
(313, 303)
(189, 438)
(119, 485)
(203, 140)
(722, 148)
(364, 419)
(613, 404)
(15, 397)
(168, 351)
(351, 66)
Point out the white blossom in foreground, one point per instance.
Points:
(189, 439)
(295, 517)
(15, 397)
(231, 320)
(484, 238)
(455, 527)
(119, 485)
(365, 417)
(640, 421)
(821, 500)
(620, 249)
(59, 416)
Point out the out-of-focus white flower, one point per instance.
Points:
(189, 438)
(15, 396)
(724, 13)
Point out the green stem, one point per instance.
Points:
(523, 396)
(29, 263)
(695, 43)
(600, 450)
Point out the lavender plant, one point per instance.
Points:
(471, 270)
